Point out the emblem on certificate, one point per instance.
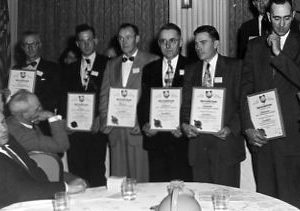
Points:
(265, 113)
(21, 79)
(80, 111)
(122, 107)
(207, 109)
(165, 108)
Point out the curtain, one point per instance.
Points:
(13, 19)
(56, 20)
(239, 12)
(211, 12)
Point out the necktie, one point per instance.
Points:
(207, 80)
(169, 75)
(13, 155)
(87, 72)
(125, 59)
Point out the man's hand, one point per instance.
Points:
(77, 185)
(274, 42)
(189, 130)
(96, 125)
(149, 132)
(255, 137)
(135, 130)
(223, 133)
(177, 133)
(42, 116)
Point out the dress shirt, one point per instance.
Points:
(212, 68)
(86, 67)
(30, 67)
(165, 67)
(283, 39)
(260, 17)
(126, 68)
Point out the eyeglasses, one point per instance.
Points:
(33, 44)
(171, 42)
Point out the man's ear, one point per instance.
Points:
(216, 44)
(77, 44)
(96, 41)
(269, 16)
(137, 38)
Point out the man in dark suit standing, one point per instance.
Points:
(273, 62)
(86, 156)
(20, 178)
(167, 151)
(215, 158)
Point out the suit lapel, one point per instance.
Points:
(135, 70)
(197, 74)
(117, 75)
(178, 79)
(220, 71)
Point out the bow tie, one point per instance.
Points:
(125, 59)
(32, 64)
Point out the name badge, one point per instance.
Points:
(135, 70)
(39, 73)
(94, 73)
(218, 79)
(181, 72)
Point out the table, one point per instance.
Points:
(149, 194)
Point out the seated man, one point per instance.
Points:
(20, 178)
(26, 112)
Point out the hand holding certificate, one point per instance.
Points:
(122, 107)
(80, 111)
(265, 114)
(207, 109)
(21, 79)
(165, 109)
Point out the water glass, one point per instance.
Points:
(128, 189)
(220, 199)
(61, 201)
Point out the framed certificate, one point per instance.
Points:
(80, 111)
(207, 109)
(122, 107)
(21, 79)
(265, 113)
(165, 108)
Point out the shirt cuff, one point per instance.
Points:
(54, 118)
(66, 187)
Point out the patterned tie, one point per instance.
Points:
(87, 73)
(13, 155)
(207, 80)
(169, 75)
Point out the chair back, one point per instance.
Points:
(50, 163)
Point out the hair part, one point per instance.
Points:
(129, 25)
(212, 31)
(291, 2)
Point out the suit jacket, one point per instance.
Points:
(231, 150)
(263, 71)
(152, 77)
(74, 79)
(34, 139)
(113, 78)
(47, 84)
(21, 184)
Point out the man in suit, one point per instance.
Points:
(167, 151)
(215, 158)
(273, 62)
(258, 26)
(26, 112)
(20, 178)
(128, 158)
(86, 156)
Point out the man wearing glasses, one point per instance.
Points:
(128, 158)
(167, 151)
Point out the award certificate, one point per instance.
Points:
(80, 111)
(122, 107)
(265, 113)
(165, 108)
(207, 109)
(21, 79)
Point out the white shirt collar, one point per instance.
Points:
(134, 54)
(283, 39)
(26, 125)
(90, 57)
(173, 62)
(212, 68)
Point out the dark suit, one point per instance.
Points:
(167, 154)
(277, 163)
(212, 159)
(20, 184)
(86, 156)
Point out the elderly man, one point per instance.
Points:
(26, 111)
(128, 158)
(20, 178)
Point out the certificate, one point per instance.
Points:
(80, 111)
(207, 109)
(21, 79)
(165, 108)
(122, 107)
(265, 113)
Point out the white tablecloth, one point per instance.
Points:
(149, 194)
